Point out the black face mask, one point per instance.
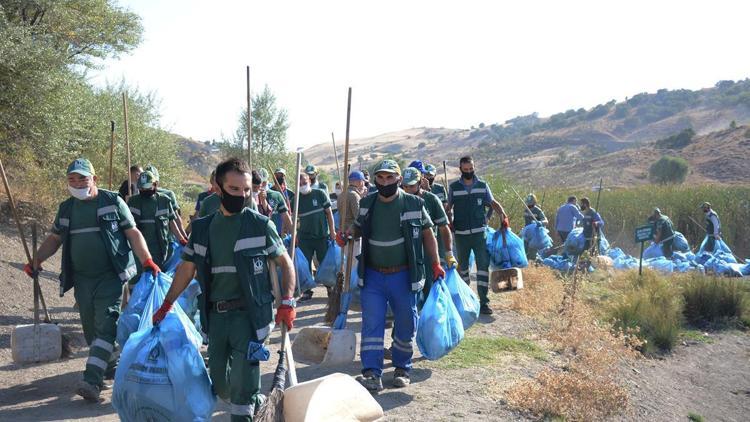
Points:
(431, 180)
(281, 180)
(147, 193)
(387, 190)
(231, 203)
(468, 175)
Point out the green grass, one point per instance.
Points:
(696, 335)
(485, 351)
(692, 416)
(714, 300)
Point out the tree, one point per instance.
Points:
(680, 140)
(668, 170)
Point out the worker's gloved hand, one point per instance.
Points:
(162, 312)
(286, 314)
(450, 260)
(183, 241)
(30, 271)
(505, 223)
(437, 271)
(151, 265)
(340, 240)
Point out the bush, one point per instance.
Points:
(711, 300)
(668, 170)
(680, 140)
(653, 306)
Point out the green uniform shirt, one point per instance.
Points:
(172, 197)
(210, 205)
(87, 249)
(199, 200)
(313, 223)
(536, 212)
(387, 246)
(435, 210)
(320, 185)
(149, 229)
(439, 191)
(664, 224)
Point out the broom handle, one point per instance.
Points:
(524, 204)
(336, 155)
(111, 150)
(285, 343)
(295, 215)
(342, 205)
(127, 140)
(36, 276)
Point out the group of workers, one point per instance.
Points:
(406, 228)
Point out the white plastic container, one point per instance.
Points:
(36, 343)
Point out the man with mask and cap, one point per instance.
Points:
(435, 187)
(713, 226)
(312, 173)
(271, 203)
(533, 213)
(592, 221)
(203, 195)
(397, 236)
(98, 237)
(663, 232)
(316, 225)
(279, 185)
(155, 219)
(172, 198)
(468, 200)
(229, 253)
(135, 172)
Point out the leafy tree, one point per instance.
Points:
(668, 170)
(680, 140)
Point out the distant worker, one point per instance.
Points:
(592, 222)
(435, 187)
(370, 186)
(532, 214)
(203, 195)
(135, 172)
(271, 203)
(279, 185)
(172, 198)
(312, 172)
(663, 231)
(713, 226)
(568, 217)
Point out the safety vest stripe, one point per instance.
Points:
(86, 230)
(411, 215)
(478, 190)
(273, 249)
(484, 273)
(224, 269)
(440, 220)
(95, 361)
(200, 249)
(418, 285)
(241, 409)
(460, 193)
(398, 241)
(135, 211)
(64, 222)
(250, 243)
(161, 212)
(129, 273)
(305, 214)
(378, 340)
(363, 211)
(148, 221)
(106, 210)
(187, 251)
(481, 283)
(472, 231)
(103, 345)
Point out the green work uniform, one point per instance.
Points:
(439, 191)
(210, 205)
(320, 185)
(529, 216)
(152, 217)
(313, 232)
(96, 261)
(664, 226)
(278, 206)
(231, 256)
(469, 222)
(199, 200)
(436, 211)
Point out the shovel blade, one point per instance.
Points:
(335, 397)
(324, 346)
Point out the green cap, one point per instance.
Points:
(412, 176)
(280, 170)
(153, 171)
(387, 166)
(705, 205)
(530, 199)
(146, 180)
(657, 210)
(311, 169)
(430, 169)
(82, 166)
(263, 175)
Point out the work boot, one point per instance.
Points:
(307, 295)
(401, 378)
(106, 386)
(89, 392)
(371, 382)
(388, 354)
(485, 310)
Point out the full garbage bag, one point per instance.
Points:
(170, 266)
(661, 264)
(467, 303)
(719, 246)
(575, 242)
(653, 251)
(505, 249)
(680, 243)
(330, 265)
(558, 262)
(302, 270)
(537, 236)
(440, 328)
(161, 375)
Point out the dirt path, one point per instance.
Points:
(709, 379)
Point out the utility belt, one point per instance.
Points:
(390, 270)
(227, 305)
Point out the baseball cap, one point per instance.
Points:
(311, 169)
(387, 166)
(263, 173)
(153, 171)
(657, 210)
(705, 205)
(530, 199)
(417, 164)
(81, 166)
(146, 180)
(430, 169)
(280, 170)
(356, 175)
(412, 176)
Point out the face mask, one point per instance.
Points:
(147, 193)
(338, 191)
(256, 195)
(231, 203)
(280, 180)
(82, 193)
(304, 190)
(387, 190)
(431, 180)
(468, 175)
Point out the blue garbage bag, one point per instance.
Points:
(506, 251)
(330, 265)
(467, 303)
(171, 265)
(304, 276)
(537, 236)
(440, 328)
(603, 243)
(680, 243)
(719, 246)
(558, 262)
(653, 251)
(661, 264)
(161, 374)
(575, 242)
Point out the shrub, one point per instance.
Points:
(709, 300)
(653, 306)
(668, 170)
(680, 140)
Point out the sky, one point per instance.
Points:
(420, 63)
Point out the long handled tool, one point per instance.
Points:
(127, 140)
(336, 155)
(740, 260)
(249, 123)
(111, 150)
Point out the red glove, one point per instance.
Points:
(183, 241)
(505, 223)
(286, 314)
(437, 271)
(151, 265)
(29, 270)
(340, 239)
(162, 312)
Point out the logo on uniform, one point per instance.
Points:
(315, 202)
(114, 226)
(415, 233)
(479, 201)
(258, 266)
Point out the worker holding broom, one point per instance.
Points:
(96, 231)
(397, 237)
(271, 203)
(172, 198)
(230, 252)
(468, 199)
(532, 213)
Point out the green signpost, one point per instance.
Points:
(643, 234)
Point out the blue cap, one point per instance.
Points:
(417, 164)
(356, 175)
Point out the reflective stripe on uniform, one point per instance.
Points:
(374, 348)
(187, 251)
(417, 286)
(472, 231)
(484, 273)
(129, 273)
(398, 241)
(402, 346)
(273, 249)
(95, 361)
(376, 340)
(363, 211)
(483, 283)
(86, 230)
(479, 190)
(305, 214)
(135, 211)
(460, 193)
(161, 212)
(103, 345)
(440, 220)
(249, 243)
(106, 210)
(200, 249)
(411, 215)
(64, 222)
(224, 269)
(241, 409)
(148, 221)
(262, 333)
(124, 223)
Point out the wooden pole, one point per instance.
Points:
(127, 140)
(36, 275)
(295, 214)
(249, 122)
(111, 150)
(338, 169)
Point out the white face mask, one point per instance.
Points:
(305, 189)
(338, 191)
(255, 196)
(82, 194)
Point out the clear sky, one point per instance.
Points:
(421, 63)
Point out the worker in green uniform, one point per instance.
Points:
(532, 214)
(155, 219)
(411, 185)
(271, 203)
(172, 198)
(468, 200)
(663, 232)
(204, 195)
(316, 226)
(592, 223)
(438, 190)
(229, 253)
(96, 232)
(279, 185)
(312, 172)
